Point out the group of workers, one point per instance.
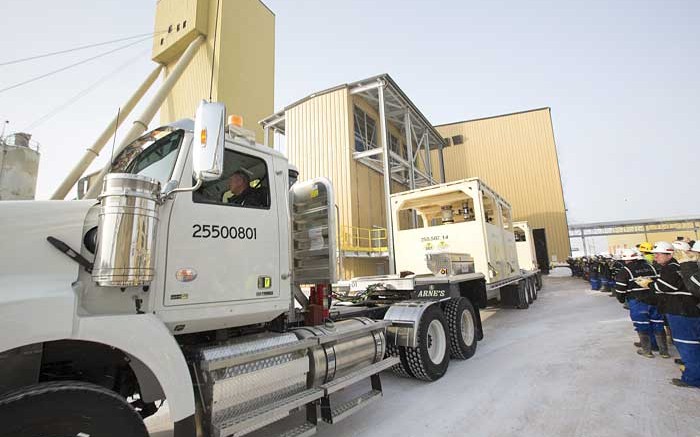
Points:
(660, 284)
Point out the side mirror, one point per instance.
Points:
(208, 143)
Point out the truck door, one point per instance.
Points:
(226, 234)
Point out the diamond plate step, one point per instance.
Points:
(305, 430)
(256, 419)
(366, 372)
(351, 407)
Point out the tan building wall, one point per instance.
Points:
(516, 155)
(619, 242)
(320, 142)
(244, 58)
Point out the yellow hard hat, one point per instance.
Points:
(646, 247)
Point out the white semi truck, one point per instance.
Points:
(181, 282)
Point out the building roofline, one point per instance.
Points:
(268, 8)
(496, 116)
(384, 76)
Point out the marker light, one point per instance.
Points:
(235, 120)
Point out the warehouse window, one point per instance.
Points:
(519, 234)
(365, 131)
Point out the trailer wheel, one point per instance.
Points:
(529, 292)
(462, 322)
(522, 296)
(398, 369)
(68, 408)
(533, 286)
(429, 360)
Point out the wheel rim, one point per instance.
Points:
(437, 342)
(467, 328)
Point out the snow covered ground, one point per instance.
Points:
(564, 367)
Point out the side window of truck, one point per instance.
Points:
(244, 184)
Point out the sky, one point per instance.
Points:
(622, 79)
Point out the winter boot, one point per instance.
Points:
(645, 350)
(663, 346)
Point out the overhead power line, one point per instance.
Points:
(75, 49)
(44, 118)
(92, 58)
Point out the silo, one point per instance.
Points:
(19, 167)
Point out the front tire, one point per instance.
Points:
(68, 408)
(429, 360)
(461, 320)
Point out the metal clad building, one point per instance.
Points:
(244, 57)
(335, 134)
(19, 167)
(516, 155)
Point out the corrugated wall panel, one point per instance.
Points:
(318, 143)
(245, 65)
(516, 155)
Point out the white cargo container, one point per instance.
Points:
(465, 217)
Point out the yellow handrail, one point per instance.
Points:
(357, 239)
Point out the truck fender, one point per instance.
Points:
(141, 336)
(404, 317)
(145, 337)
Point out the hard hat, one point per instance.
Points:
(645, 247)
(696, 246)
(604, 254)
(680, 245)
(662, 247)
(629, 255)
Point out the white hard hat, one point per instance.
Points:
(662, 247)
(696, 246)
(629, 255)
(680, 245)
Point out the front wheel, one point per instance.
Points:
(68, 408)
(462, 323)
(429, 359)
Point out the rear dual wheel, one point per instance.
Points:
(461, 320)
(428, 361)
(523, 292)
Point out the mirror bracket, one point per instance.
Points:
(171, 189)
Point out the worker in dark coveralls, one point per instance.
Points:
(642, 302)
(680, 305)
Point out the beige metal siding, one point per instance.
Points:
(318, 143)
(515, 155)
(244, 68)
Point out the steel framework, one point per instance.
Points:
(393, 106)
(642, 227)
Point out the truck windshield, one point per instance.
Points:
(152, 155)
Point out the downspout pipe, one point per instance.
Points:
(141, 123)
